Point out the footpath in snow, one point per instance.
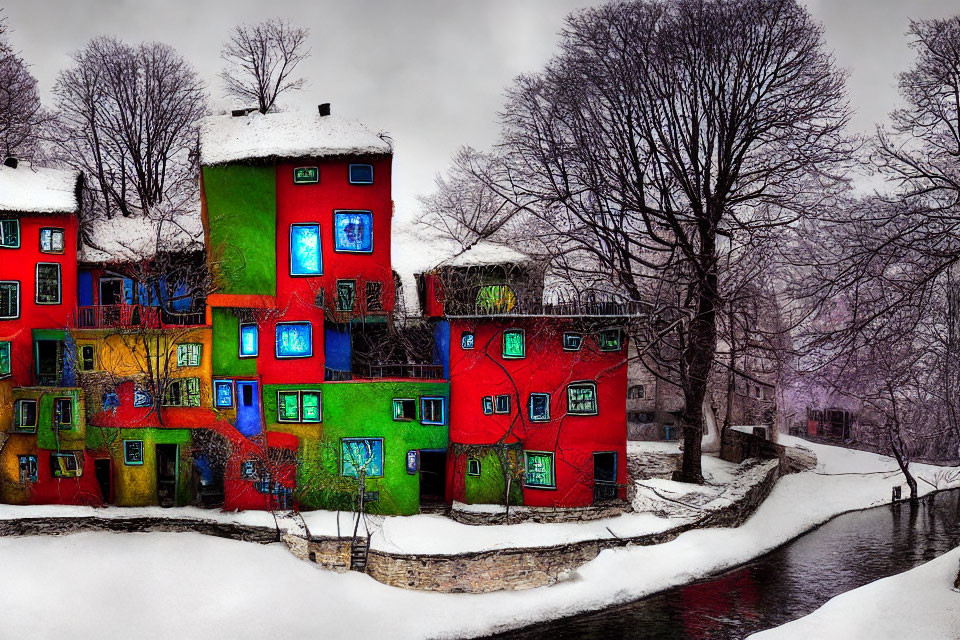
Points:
(242, 590)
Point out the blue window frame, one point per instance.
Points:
(294, 340)
(249, 337)
(111, 401)
(306, 258)
(353, 231)
(487, 405)
(142, 398)
(467, 340)
(133, 452)
(248, 470)
(539, 407)
(223, 394)
(572, 341)
(361, 174)
(433, 410)
(361, 453)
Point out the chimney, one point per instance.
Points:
(11, 162)
(324, 109)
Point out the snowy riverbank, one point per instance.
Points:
(241, 590)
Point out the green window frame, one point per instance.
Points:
(610, 340)
(9, 300)
(302, 406)
(6, 366)
(582, 398)
(10, 233)
(189, 354)
(182, 392)
(133, 452)
(288, 406)
(404, 409)
(514, 344)
(539, 470)
(473, 467)
(66, 465)
(310, 406)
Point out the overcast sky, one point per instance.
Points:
(429, 72)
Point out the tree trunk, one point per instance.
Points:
(899, 452)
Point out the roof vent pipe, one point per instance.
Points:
(11, 162)
(324, 109)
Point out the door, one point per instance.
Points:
(111, 291)
(248, 408)
(605, 476)
(49, 357)
(433, 476)
(103, 469)
(167, 467)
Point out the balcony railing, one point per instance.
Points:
(521, 308)
(125, 316)
(390, 370)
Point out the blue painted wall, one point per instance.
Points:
(441, 346)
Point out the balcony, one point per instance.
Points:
(501, 305)
(389, 370)
(128, 316)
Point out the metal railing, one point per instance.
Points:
(125, 316)
(389, 370)
(559, 309)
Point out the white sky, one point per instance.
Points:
(430, 72)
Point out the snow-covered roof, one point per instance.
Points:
(285, 135)
(120, 239)
(29, 189)
(418, 249)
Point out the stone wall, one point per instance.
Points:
(61, 526)
(538, 514)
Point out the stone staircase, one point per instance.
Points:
(359, 550)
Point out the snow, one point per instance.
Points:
(145, 577)
(29, 189)
(879, 610)
(141, 236)
(285, 135)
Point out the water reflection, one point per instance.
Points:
(845, 553)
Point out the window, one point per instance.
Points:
(88, 361)
(609, 340)
(513, 344)
(133, 452)
(65, 465)
(487, 405)
(346, 294)
(572, 341)
(51, 240)
(640, 416)
(5, 366)
(404, 409)
(223, 394)
(539, 407)
(538, 467)
(433, 411)
(248, 470)
(502, 404)
(582, 398)
(48, 283)
(361, 174)
(249, 337)
(28, 468)
(306, 258)
(111, 401)
(10, 233)
(188, 355)
(636, 392)
(362, 454)
(25, 415)
(299, 406)
(306, 175)
(353, 231)
(294, 340)
(142, 398)
(413, 461)
(183, 392)
(374, 296)
(466, 340)
(473, 467)
(9, 300)
(496, 298)
(63, 412)
(670, 432)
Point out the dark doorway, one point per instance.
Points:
(167, 459)
(103, 469)
(49, 356)
(111, 291)
(433, 477)
(604, 476)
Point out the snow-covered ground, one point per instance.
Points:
(187, 585)
(919, 603)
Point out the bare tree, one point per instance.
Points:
(22, 119)
(261, 59)
(129, 119)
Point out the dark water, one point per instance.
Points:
(845, 553)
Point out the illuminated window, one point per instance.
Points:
(467, 340)
(5, 366)
(299, 406)
(609, 340)
(361, 174)
(433, 411)
(48, 283)
(404, 409)
(25, 415)
(51, 240)
(306, 175)
(361, 454)
(539, 469)
(353, 231)
(539, 407)
(572, 341)
(294, 340)
(87, 358)
(306, 258)
(582, 398)
(223, 393)
(473, 467)
(188, 355)
(10, 233)
(487, 405)
(513, 344)
(310, 406)
(28, 468)
(502, 404)
(133, 452)
(9, 300)
(249, 335)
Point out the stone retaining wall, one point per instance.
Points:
(59, 526)
(539, 514)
